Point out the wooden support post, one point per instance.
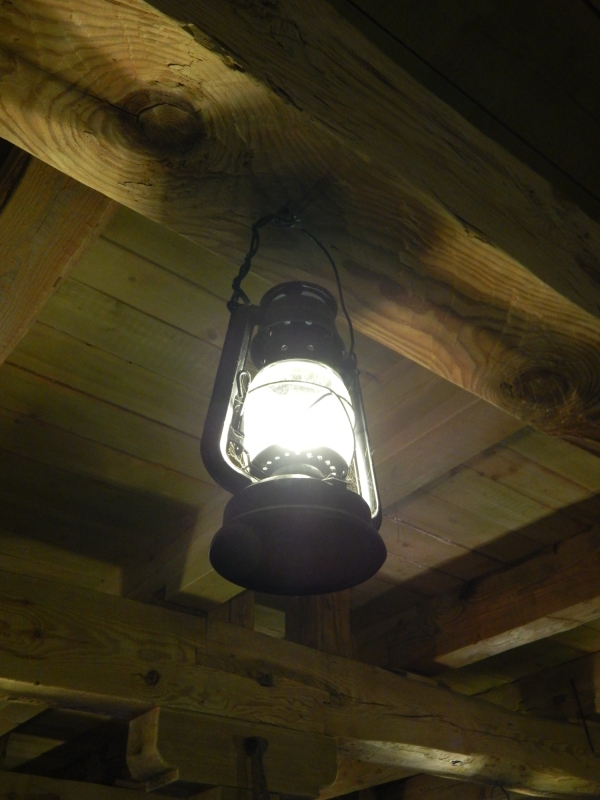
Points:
(321, 621)
(237, 611)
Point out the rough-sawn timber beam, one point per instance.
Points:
(47, 222)
(453, 253)
(91, 650)
(551, 592)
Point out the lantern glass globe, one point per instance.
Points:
(300, 407)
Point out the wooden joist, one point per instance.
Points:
(453, 253)
(47, 222)
(32, 787)
(101, 652)
(551, 592)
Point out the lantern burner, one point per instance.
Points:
(322, 462)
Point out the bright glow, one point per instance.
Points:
(301, 406)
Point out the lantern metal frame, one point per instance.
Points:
(291, 533)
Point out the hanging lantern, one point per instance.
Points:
(285, 433)
(290, 442)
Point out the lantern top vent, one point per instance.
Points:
(298, 321)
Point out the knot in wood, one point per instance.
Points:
(556, 390)
(171, 128)
(164, 123)
(152, 677)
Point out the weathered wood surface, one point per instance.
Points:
(321, 621)
(47, 222)
(427, 787)
(200, 748)
(32, 787)
(512, 321)
(555, 692)
(552, 592)
(13, 714)
(78, 647)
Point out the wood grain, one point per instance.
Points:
(480, 273)
(201, 748)
(94, 650)
(552, 592)
(322, 622)
(47, 222)
(33, 787)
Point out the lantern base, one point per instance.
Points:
(295, 535)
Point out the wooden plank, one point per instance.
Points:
(441, 448)
(31, 787)
(551, 592)
(549, 693)
(109, 514)
(14, 714)
(99, 651)
(201, 748)
(428, 787)
(161, 294)
(53, 404)
(64, 359)
(487, 331)
(357, 776)
(58, 448)
(125, 332)
(47, 222)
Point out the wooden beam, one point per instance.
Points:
(551, 592)
(559, 692)
(47, 222)
(453, 253)
(199, 748)
(32, 787)
(428, 787)
(96, 651)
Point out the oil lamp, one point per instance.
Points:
(285, 433)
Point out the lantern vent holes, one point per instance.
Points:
(321, 463)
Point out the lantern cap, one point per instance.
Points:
(296, 535)
(297, 320)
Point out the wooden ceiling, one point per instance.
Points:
(472, 279)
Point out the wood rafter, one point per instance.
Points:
(100, 652)
(552, 592)
(47, 222)
(453, 253)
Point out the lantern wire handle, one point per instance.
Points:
(288, 220)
